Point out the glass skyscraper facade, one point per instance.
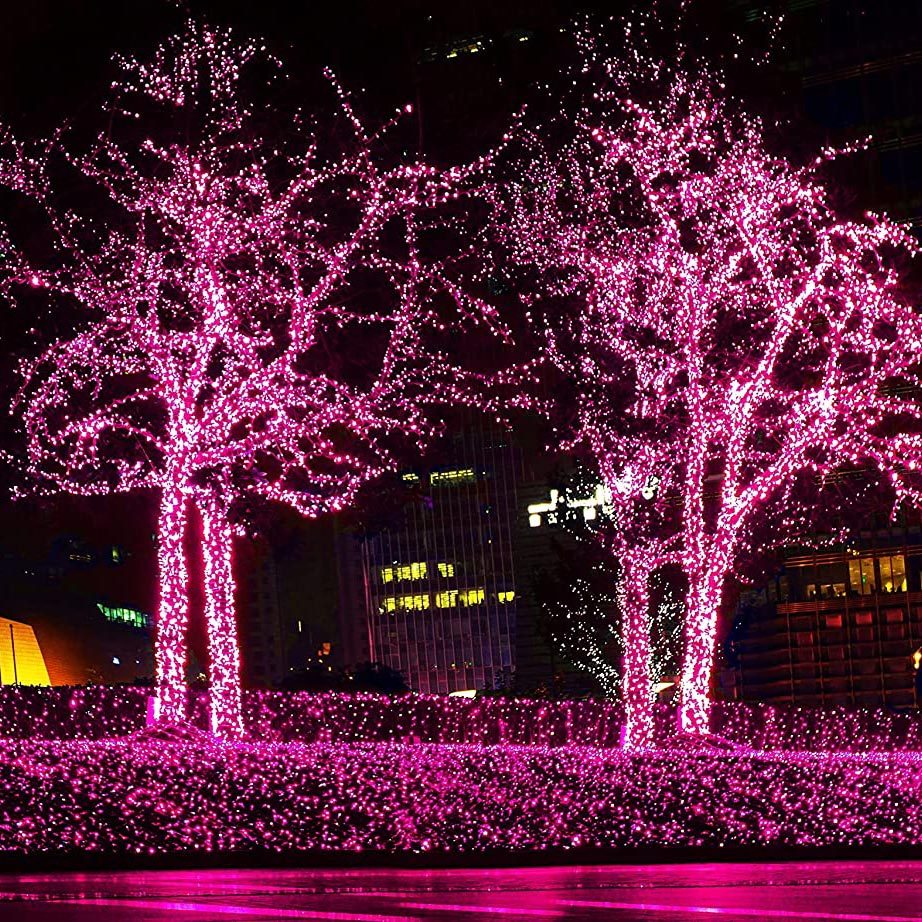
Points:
(439, 585)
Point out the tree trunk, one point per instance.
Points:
(700, 641)
(173, 606)
(223, 650)
(636, 689)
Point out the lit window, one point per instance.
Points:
(508, 596)
(124, 615)
(446, 569)
(412, 571)
(417, 570)
(450, 478)
(447, 599)
(413, 602)
(861, 575)
(471, 596)
(410, 477)
(536, 509)
(892, 573)
(390, 604)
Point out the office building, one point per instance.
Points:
(836, 627)
(438, 597)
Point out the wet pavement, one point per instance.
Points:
(856, 891)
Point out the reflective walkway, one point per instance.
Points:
(857, 891)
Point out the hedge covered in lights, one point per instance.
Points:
(94, 712)
(148, 796)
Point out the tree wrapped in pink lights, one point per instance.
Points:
(252, 299)
(733, 342)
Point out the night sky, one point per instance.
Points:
(55, 54)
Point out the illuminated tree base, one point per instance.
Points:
(151, 796)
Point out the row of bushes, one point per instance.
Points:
(94, 712)
(148, 796)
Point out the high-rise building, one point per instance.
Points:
(856, 66)
(263, 662)
(438, 597)
(289, 601)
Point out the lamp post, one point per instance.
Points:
(916, 664)
(13, 650)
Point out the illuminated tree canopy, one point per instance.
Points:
(731, 340)
(252, 294)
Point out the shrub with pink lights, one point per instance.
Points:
(96, 712)
(150, 796)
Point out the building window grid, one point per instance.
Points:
(887, 632)
(875, 665)
(475, 637)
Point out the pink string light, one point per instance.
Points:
(143, 796)
(95, 712)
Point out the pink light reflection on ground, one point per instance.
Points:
(874, 891)
(758, 913)
(489, 910)
(213, 909)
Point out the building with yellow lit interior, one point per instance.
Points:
(439, 585)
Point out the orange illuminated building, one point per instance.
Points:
(21, 660)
